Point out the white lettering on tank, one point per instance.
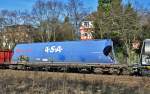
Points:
(53, 49)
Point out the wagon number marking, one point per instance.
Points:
(53, 49)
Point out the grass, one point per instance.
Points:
(24, 82)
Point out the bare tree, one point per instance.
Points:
(2, 22)
(47, 14)
(77, 12)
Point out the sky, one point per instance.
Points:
(92, 4)
(145, 4)
(16, 4)
(27, 4)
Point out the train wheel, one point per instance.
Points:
(116, 72)
(13, 67)
(20, 67)
(124, 71)
(98, 70)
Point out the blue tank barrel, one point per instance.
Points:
(88, 51)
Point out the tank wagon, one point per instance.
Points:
(72, 56)
(81, 52)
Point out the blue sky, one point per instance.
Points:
(139, 3)
(16, 4)
(27, 4)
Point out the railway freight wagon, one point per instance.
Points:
(5, 56)
(88, 55)
(81, 52)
